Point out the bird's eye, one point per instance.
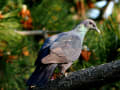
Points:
(90, 22)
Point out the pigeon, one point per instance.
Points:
(60, 50)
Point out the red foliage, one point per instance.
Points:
(1, 16)
(1, 52)
(26, 19)
(25, 13)
(90, 4)
(85, 55)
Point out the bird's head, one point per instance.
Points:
(90, 25)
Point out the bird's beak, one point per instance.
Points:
(98, 30)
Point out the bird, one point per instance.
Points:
(60, 50)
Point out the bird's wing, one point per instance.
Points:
(65, 49)
(49, 41)
(44, 51)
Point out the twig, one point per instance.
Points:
(35, 32)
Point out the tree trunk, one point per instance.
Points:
(86, 78)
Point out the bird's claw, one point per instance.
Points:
(66, 74)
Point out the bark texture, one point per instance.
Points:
(94, 76)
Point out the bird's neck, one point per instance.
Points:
(81, 32)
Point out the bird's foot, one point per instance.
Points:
(32, 86)
(66, 74)
(63, 75)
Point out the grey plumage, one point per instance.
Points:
(61, 49)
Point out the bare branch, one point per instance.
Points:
(35, 32)
(30, 32)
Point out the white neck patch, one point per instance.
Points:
(81, 28)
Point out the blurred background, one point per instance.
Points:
(18, 52)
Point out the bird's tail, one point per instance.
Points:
(41, 75)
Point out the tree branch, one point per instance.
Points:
(86, 78)
(35, 32)
(43, 33)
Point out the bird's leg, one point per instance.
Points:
(64, 67)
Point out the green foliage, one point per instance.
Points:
(14, 63)
(18, 69)
(2, 3)
(53, 15)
